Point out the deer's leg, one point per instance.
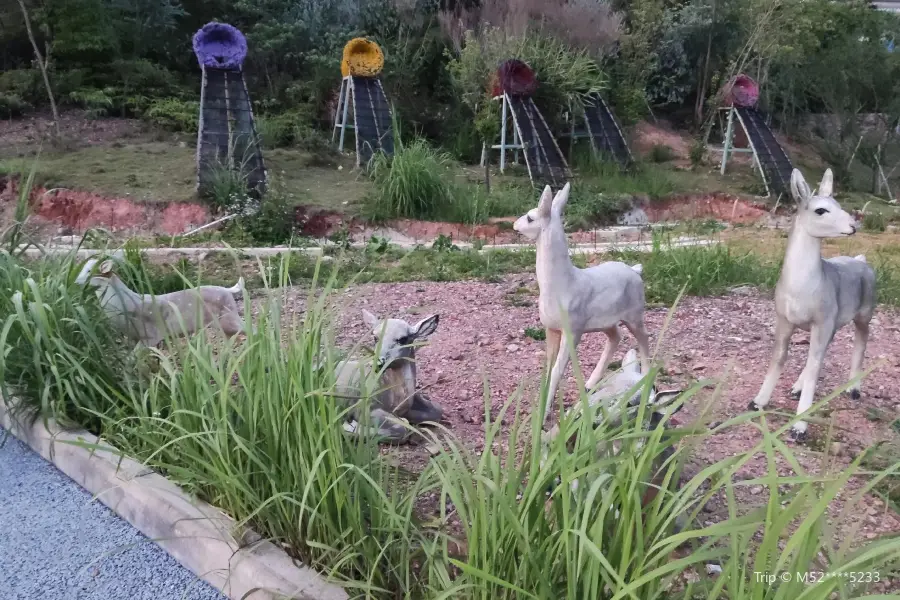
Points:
(423, 410)
(860, 339)
(553, 338)
(639, 331)
(783, 331)
(556, 373)
(612, 343)
(820, 337)
(798, 385)
(388, 426)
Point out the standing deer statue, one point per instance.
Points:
(396, 396)
(593, 299)
(816, 295)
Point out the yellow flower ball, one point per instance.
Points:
(362, 58)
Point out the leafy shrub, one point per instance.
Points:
(25, 84)
(874, 221)
(174, 114)
(277, 131)
(661, 153)
(12, 105)
(97, 103)
(273, 223)
(697, 153)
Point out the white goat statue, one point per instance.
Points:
(593, 299)
(610, 396)
(150, 319)
(396, 396)
(816, 295)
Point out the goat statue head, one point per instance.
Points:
(548, 209)
(396, 339)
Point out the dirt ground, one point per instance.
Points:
(728, 340)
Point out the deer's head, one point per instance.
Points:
(611, 394)
(538, 219)
(95, 272)
(397, 337)
(819, 214)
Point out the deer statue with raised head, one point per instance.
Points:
(396, 395)
(818, 295)
(593, 299)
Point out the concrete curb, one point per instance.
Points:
(318, 251)
(195, 533)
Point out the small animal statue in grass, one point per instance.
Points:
(150, 319)
(818, 295)
(396, 395)
(593, 299)
(610, 396)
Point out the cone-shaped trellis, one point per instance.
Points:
(604, 131)
(514, 84)
(772, 162)
(361, 89)
(227, 135)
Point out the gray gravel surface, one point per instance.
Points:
(56, 543)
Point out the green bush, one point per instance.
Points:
(874, 221)
(24, 84)
(174, 114)
(12, 105)
(273, 223)
(661, 153)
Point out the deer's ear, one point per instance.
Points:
(664, 398)
(826, 186)
(562, 196)
(106, 267)
(546, 202)
(799, 188)
(369, 319)
(426, 326)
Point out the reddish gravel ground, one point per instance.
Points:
(481, 334)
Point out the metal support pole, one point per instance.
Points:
(483, 153)
(515, 143)
(337, 112)
(503, 135)
(347, 92)
(728, 135)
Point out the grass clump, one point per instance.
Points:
(704, 270)
(414, 183)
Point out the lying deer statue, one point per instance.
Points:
(610, 396)
(396, 396)
(816, 295)
(593, 299)
(150, 319)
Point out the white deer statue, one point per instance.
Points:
(397, 395)
(816, 295)
(593, 299)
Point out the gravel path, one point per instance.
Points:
(55, 543)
